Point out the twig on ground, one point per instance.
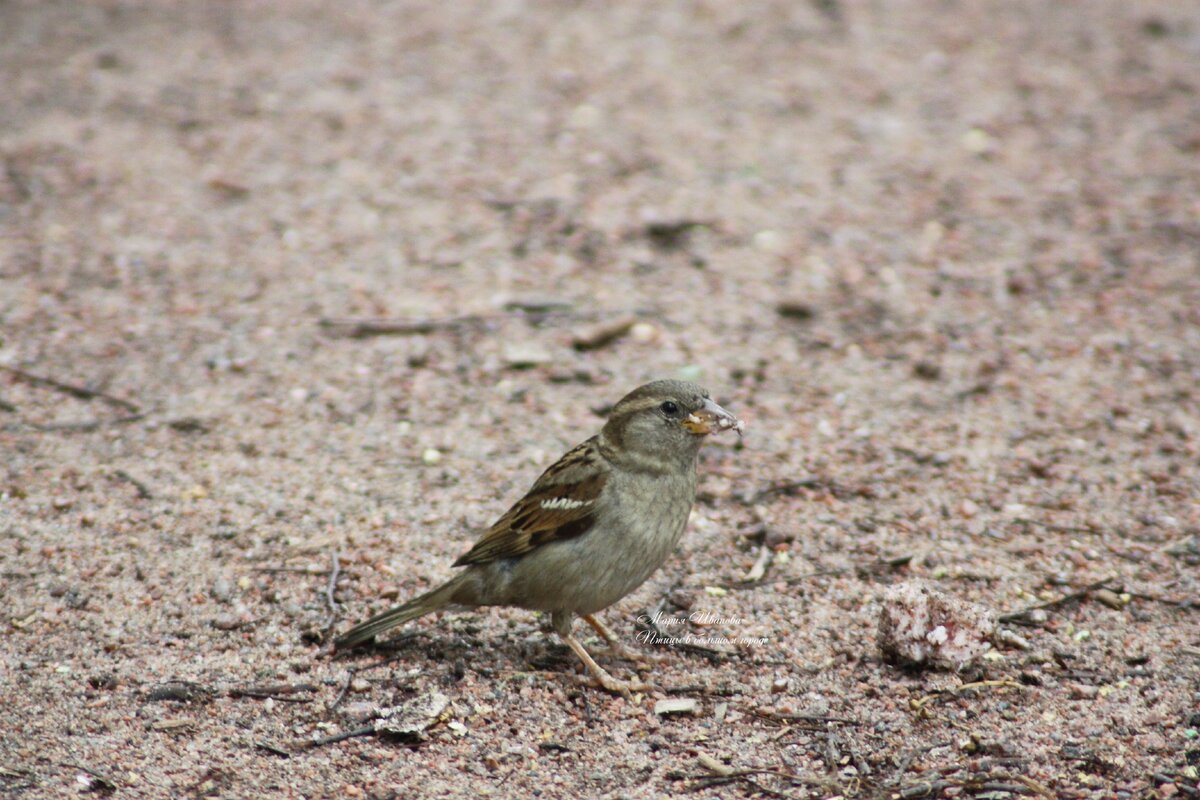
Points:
(696, 688)
(366, 730)
(816, 718)
(974, 785)
(907, 761)
(785, 488)
(272, 749)
(409, 723)
(879, 567)
(1065, 599)
(364, 327)
(387, 645)
(335, 570)
(274, 692)
(723, 774)
(341, 695)
(1038, 788)
(73, 427)
(294, 570)
(1185, 603)
(142, 491)
(1050, 526)
(918, 705)
(80, 392)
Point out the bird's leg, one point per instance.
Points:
(601, 677)
(614, 644)
(562, 625)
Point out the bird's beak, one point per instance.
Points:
(711, 418)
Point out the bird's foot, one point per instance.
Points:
(627, 689)
(599, 676)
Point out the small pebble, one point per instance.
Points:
(602, 334)
(1109, 598)
(768, 241)
(526, 356)
(1010, 638)
(643, 333)
(1082, 692)
(795, 309)
(360, 710)
(676, 705)
(431, 456)
(222, 590)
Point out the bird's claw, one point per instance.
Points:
(616, 686)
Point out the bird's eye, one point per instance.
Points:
(669, 408)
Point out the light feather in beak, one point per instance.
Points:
(711, 418)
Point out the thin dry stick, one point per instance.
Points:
(1050, 526)
(803, 717)
(1062, 601)
(911, 756)
(272, 749)
(878, 567)
(1004, 683)
(368, 730)
(331, 589)
(784, 488)
(142, 491)
(337, 701)
(274, 692)
(1038, 788)
(699, 688)
(1186, 602)
(723, 775)
(361, 328)
(75, 427)
(387, 662)
(81, 392)
(293, 570)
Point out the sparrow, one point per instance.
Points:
(593, 527)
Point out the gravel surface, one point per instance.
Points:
(296, 298)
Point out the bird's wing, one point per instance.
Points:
(561, 505)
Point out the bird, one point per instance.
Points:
(592, 528)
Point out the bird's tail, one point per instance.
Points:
(433, 600)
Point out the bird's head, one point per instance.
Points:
(664, 422)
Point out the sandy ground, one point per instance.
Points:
(943, 257)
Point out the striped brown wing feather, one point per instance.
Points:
(560, 506)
